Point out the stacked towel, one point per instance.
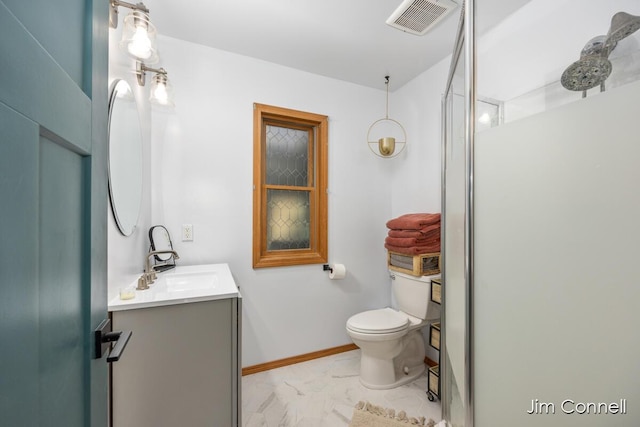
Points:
(414, 234)
(413, 221)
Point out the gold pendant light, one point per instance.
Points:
(386, 137)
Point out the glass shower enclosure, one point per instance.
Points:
(455, 329)
(541, 216)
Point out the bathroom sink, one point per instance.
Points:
(184, 284)
(187, 282)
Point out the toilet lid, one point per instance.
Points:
(382, 321)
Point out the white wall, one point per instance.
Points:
(202, 175)
(416, 183)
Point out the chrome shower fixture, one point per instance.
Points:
(622, 25)
(591, 70)
(595, 46)
(586, 73)
(594, 67)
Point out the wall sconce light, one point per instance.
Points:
(386, 135)
(138, 34)
(161, 90)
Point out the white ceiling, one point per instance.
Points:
(342, 39)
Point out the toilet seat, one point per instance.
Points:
(381, 321)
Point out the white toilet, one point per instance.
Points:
(391, 344)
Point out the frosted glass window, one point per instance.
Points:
(290, 187)
(288, 156)
(288, 219)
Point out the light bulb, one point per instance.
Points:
(138, 37)
(161, 90)
(160, 94)
(140, 44)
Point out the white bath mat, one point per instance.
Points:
(366, 414)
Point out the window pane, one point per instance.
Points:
(287, 156)
(287, 219)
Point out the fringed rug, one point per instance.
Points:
(367, 415)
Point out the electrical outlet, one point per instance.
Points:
(187, 232)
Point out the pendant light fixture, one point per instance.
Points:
(386, 137)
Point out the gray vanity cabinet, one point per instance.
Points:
(181, 367)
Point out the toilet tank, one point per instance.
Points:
(413, 295)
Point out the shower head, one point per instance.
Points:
(622, 25)
(594, 47)
(591, 70)
(586, 73)
(594, 68)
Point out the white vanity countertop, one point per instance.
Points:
(181, 285)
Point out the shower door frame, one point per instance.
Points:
(465, 45)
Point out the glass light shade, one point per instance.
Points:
(139, 37)
(161, 91)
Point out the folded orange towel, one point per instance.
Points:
(413, 221)
(426, 232)
(414, 250)
(407, 242)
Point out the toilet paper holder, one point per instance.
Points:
(336, 271)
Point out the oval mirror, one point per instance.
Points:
(125, 157)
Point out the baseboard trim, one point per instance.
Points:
(254, 369)
(297, 359)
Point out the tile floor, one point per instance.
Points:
(323, 393)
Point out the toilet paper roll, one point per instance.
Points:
(338, 271)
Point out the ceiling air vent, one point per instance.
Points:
(419, 16)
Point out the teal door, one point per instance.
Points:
(53, 207)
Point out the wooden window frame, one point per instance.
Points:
(318, 172)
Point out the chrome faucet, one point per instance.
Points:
(149, 275)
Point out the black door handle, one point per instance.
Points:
(103, 337)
